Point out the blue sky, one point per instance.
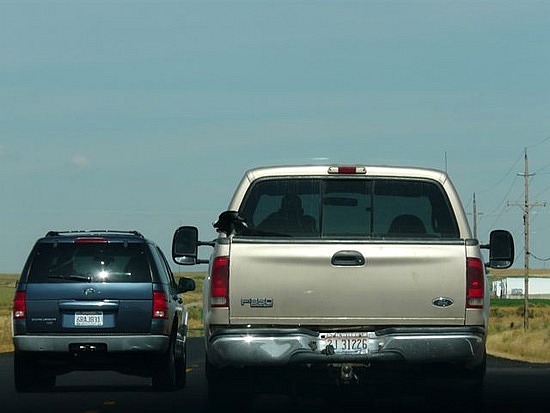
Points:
(145, 114)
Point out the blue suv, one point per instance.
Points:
(99, 300)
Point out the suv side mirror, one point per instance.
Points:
(186, 284)
(185, 245)
(501, 249)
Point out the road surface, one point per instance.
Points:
(510, 387)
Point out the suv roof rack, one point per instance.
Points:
(95, 231)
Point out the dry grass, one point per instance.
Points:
(6, 343)
(7, 287)
(193, 301)
(508, 338)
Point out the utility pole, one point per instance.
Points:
(475, 215)
(527, 250)
(526, 207)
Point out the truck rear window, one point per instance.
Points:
(349, 208)
(87, 262)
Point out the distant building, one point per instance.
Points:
(513, 287)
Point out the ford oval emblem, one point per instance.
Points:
(90, 291)
(442, 302)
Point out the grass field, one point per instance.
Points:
(7, 286)
(507, 337)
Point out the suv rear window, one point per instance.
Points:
(354, 208)
(98, 262)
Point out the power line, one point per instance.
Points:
(501, 207)
(503, 178)
(538, 258)
(540, 143)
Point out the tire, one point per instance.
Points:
(227, 388)
(29, 377)
(463, 386)
(471, 378)
(476, 373)
(164, 369)
(181, 367)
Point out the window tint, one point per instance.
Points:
(102, 262)
(354, 208)
(347, 208)
(164, 271)
(289, 207)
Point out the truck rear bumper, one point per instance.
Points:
(277, 347)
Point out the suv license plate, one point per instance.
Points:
(346, 343)
(88, 319)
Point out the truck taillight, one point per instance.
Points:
(220, 282)
(20, 305)
(160, 305)
(475, 283)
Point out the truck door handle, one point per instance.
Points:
(348, 258)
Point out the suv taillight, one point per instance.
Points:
(160, 305)
(475, 283)
(20, 305)
(220, 282)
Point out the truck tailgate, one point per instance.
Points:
(398, 284)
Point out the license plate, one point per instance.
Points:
(346, 343)
(88, 319)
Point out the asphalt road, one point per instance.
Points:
(510, 387)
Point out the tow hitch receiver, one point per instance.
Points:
(347, 375)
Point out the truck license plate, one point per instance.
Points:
(88, 319)
(347, 343)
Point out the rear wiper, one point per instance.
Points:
(72, 277)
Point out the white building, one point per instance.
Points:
(513, 287)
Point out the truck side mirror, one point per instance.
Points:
(501, 249)
(185, 245)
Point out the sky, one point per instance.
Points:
(144, 115)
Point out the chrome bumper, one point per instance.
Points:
(277, 347)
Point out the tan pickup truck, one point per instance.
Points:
(341, 268)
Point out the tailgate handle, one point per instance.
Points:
(88, 305)
(348, 258)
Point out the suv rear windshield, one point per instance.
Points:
(354, 208)
(87, 262)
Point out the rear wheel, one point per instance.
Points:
(227, 388)
(181, 367)
(476, 373)
(463, 385)
(29, 377)
(164, 369)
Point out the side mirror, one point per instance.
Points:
(185, 245)
(501, 249)
(186, 284)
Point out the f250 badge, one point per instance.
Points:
(257, 302)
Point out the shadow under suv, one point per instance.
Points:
(99, 300)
